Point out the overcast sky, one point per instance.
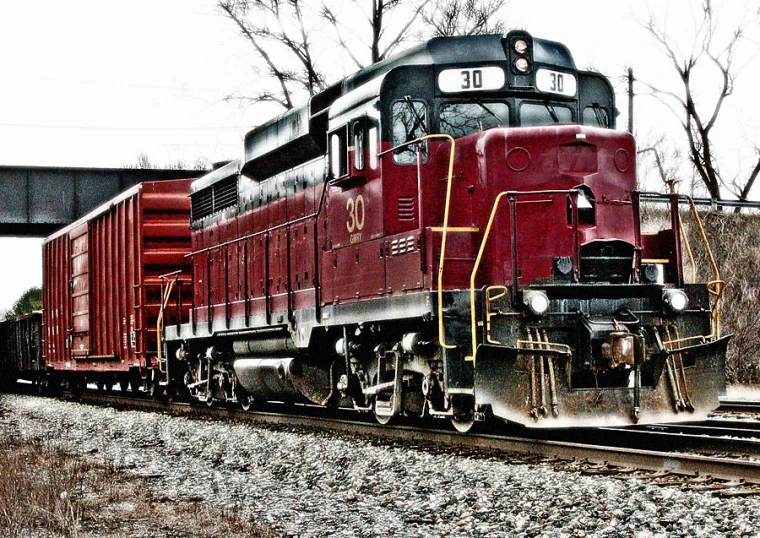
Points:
(94, 83)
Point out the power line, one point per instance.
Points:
(111, 128)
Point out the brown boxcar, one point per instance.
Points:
(102, 285)
(21, 349)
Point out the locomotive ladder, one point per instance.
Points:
(167, 284)
(512, 198)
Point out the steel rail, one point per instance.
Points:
(689, 465)
(707, 428)
(673, 437)
(739, 405)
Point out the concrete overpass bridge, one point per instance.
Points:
(35, 200)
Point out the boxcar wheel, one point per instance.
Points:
(156, 390)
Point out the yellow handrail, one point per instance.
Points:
(501, 292)
(441, 333)
(450, 175)
(715, 286)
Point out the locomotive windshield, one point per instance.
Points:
(596, 115)
(537, 114)
(461, 119)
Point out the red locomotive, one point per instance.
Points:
(451, 233)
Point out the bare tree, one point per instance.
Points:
(288, 39)
(280, 34)
(665, 160)
(143, 162)
(468, 17)
(388, 23)
(697, 114)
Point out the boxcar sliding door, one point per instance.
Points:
(80, 292)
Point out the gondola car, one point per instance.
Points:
(21, 350)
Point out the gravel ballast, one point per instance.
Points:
(315, 484)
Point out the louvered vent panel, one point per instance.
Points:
(202, 204)
(406, 210)
(225, 193)
(213, 199)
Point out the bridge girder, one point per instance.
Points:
(35, 201)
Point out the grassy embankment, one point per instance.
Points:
(47, 493)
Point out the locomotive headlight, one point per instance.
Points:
(522, 65)
(521, 46)
(674, 301)
(536, 301)
(340, 346)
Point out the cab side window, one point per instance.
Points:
(373, 142)
(339, 152)
(359, 145)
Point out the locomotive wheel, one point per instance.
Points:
(463, 424)
(463, 418)
(385, 400)
(124, 384)
(244, 399)
(381, 419)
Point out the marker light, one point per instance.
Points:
(674, 301)
(536, 301)
(521, 46)
(522, 65)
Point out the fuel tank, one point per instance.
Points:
(283, 378)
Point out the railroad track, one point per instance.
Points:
(714, 428)
(662, 452)
(739, 406)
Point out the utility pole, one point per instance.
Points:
(630, 100)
